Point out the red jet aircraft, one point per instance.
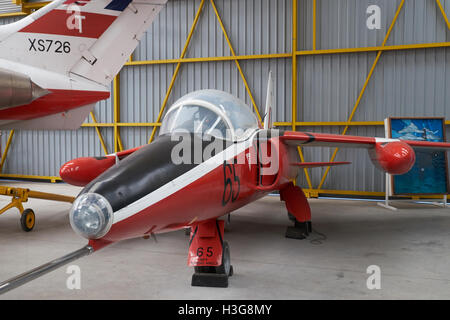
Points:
(212, 157)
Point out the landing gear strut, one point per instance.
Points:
(209, 255)
(298, 211)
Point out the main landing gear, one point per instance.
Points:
(298, 211)
(209, 255)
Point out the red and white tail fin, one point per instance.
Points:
(90, 38)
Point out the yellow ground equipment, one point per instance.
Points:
(19, 196)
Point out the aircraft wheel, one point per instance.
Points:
(27, 220)
(214, 276)
(226, 267)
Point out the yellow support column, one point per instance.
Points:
(363, 90)
(314, 24)
(100, 137)
(443, 13)
(117, 140)
(233, 53)
(295, 82)
(5, 152)
(177, 69)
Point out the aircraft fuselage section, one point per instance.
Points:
(28, 92)
(150, 194)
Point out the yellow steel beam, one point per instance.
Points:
(116, 116)
(28, 6)
(276, 124)
(443, 13)
(314, 24)
(32, 177)
(102, 141)
(177, 69)
(50, 196)
(289, 55)
(377, 49)
(366, 193)
(295, 82)
(120, 124)
(13, 14)
(5, 152)
(210, 59)
(363, 90)
(119, 140)
(233, 53)
(330, 123)
(21, 195)
(294, 63)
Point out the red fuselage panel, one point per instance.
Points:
(55, 102)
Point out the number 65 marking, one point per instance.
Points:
(232, 184)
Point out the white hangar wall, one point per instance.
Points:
(408, 82)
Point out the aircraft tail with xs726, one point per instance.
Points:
(56, 63)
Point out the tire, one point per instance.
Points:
(225, 267)
(27, 220)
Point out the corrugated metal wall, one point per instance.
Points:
(6, 6)
(405, 83)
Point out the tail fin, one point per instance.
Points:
(269, 103)
(90, 38)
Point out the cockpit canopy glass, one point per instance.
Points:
(210, 112)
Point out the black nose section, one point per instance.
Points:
(139, 174)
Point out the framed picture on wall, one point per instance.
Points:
(429, 175)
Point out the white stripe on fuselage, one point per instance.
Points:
(182, 181)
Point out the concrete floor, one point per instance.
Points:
(411, 246)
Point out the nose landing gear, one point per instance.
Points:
(209, 255)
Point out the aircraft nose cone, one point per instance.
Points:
(91, 216)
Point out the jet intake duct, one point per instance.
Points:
(393, 157)
(17, 89)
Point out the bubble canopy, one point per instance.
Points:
(211, 112)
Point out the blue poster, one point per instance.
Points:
(429, 174)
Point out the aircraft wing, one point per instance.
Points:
(303, 139)
(390, 155)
